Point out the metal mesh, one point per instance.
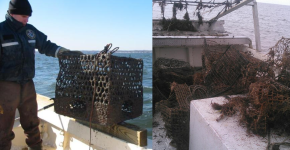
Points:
(267, 104)
(165, 72)
(113, 83)
(176, 117)
(279, 54)
(176, 123)
(197, 92)
(224, 71)
(228, 71)
(279, 58)
(182, 91)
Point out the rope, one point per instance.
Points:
(105, 51)
(93, 98)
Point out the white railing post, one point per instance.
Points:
(256, 26)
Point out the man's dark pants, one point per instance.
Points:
(22, 96)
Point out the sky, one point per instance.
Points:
(91, 24)
(280, 2)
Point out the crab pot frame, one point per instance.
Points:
(225, 71)
(177, 118)
(102, 89)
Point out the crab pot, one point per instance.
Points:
(177, 118)
(176, 123)
(225, 71)
(102, 89)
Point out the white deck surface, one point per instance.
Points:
(160, 140)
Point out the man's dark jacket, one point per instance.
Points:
(17, 45)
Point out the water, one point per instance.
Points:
(274, 21)
(47, 70)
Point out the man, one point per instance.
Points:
(18, 41)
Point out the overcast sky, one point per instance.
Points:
(281, 2)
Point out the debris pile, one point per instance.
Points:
(227, 71)
(213, 79)
(267, 104)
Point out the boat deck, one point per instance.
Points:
(160, 140)
(60, 132)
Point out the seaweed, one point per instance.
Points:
(176, 24)
(267, 103)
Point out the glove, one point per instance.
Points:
(64, 51)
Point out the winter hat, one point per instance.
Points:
(20, 7)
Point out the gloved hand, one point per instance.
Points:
(64, 51)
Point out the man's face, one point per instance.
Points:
(21, 18)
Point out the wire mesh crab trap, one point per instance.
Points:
(279, 58)
(224, 72)
(102, 89)
(166, 71)
(267, 104)
(176, 117)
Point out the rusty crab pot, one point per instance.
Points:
(102, 89)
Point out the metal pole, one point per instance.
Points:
(43, 108)
(241, 4)
(256, 26)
